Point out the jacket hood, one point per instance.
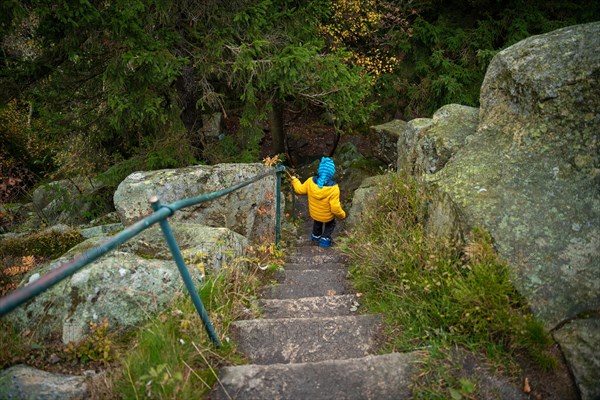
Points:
(326, 171)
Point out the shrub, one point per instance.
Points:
(97, 346)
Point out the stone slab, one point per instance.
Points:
(373, 377)
(308, 307)
(322, 277)
(21, 382)
(311, 289)
(317, 258)
(294, 340)
(325, 265)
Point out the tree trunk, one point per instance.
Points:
(276, 127)
(336, 141)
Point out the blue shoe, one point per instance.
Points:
(325, 242)
(314, 238)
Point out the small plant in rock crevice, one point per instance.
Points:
(96, 346)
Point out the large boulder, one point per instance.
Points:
(384, 140)
(363, 195)
(124, 286)
(427, 144)
(249, 211)
(71, 201)
(530, 175)
(580, 340)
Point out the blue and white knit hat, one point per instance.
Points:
(326, 171)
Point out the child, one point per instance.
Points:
(323, 201)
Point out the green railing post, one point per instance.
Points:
(185, 274)
(278, 210)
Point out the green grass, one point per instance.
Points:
(172, 356)
(437, 295)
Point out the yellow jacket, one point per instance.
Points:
(323, 203)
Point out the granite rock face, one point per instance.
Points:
(384, 140)
(249, 211)
(529, 173)
(427, 144)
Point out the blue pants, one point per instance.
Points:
(326, 232)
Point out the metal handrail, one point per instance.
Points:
(161, 213)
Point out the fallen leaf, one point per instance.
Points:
(331, 292)
(272, 161)
(526, 387)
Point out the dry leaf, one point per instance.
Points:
(331, 292)
(272, 161)
(28, 262)
(526, 387)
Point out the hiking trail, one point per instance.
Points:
(312, 341)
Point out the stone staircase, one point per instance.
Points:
(312, 343)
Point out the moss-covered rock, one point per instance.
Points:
(249, 211)
(50, 242)
(71, 201)
(427, 144)
(124, 286)
(384, 140)
(530, 176)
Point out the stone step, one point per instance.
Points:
(295, 340)
(318, 258)
(308, 248)
(321, 276)
(308, 307)
(312, 249)
(325, 265)
(309, 283)
(283, 291)
(380, 377)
